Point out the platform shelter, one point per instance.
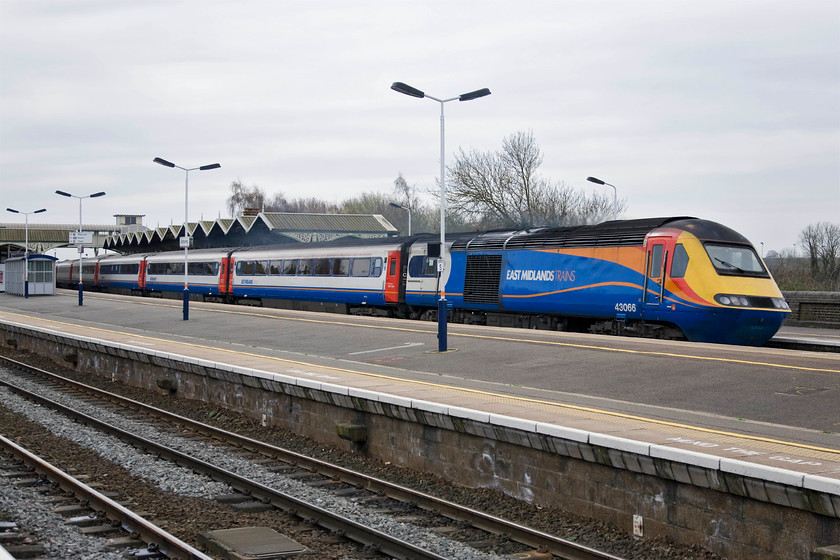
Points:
(39, 282)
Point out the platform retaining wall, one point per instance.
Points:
(596, 476)
(813, 309)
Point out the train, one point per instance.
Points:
(679, 278)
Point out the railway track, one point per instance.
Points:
(424, 512)
(98, 514)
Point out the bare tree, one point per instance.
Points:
(503, 189)
(822, 245)
(242, 197)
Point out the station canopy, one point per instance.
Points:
(43, 237)
(265, 228)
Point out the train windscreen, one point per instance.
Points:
(735, 260)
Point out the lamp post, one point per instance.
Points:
(414, 92)
(26, 247)
(186, 240)
(600, 182)
(94, 195)
(395, 205)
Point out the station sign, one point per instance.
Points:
(84, 237)
(185, 242)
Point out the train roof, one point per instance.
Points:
(617, 233)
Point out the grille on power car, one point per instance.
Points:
(481, 282)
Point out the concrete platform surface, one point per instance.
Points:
(768, 413)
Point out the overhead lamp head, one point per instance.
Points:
(163, 162)
(395, 205)
(595, 180)
(474, 94)
(62, 193)
(39, 211)
(12, 210)
(96, 195)
(211, 166)
(407, 90)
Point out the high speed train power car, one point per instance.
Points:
(679, 278)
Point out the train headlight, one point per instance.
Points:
(733, 301)
(780, 303)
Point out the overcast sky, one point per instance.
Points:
(722, 109)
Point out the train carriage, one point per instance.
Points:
(67, 273)
(125, 274)
(164, 272)
(353, 275)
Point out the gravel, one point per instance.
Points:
(59, 540)
(174, 479)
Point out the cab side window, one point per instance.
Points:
(655, 269)
(680, 262)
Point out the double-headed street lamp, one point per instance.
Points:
(26, 247)
(407, 209)
(186, 239)
(600, 182)
(79, 236)
(414, 92)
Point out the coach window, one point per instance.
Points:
(290, 267)
(260, 267)
(322, 267)
(361, 267)
(376, 268)
(245, 268)
(275, 268)
(341, 267)
(680, 262)
(201, 269)
(305, 267)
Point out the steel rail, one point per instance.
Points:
(148, 532)
(563, 548)
(326, 519)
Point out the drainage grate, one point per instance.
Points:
(250, 543)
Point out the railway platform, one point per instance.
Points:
(631, 435)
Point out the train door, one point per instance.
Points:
(392, 277)
(223, 276)
(226, 276)
(657, 258)
(141, 276)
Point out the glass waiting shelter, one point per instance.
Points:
(41, 276)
